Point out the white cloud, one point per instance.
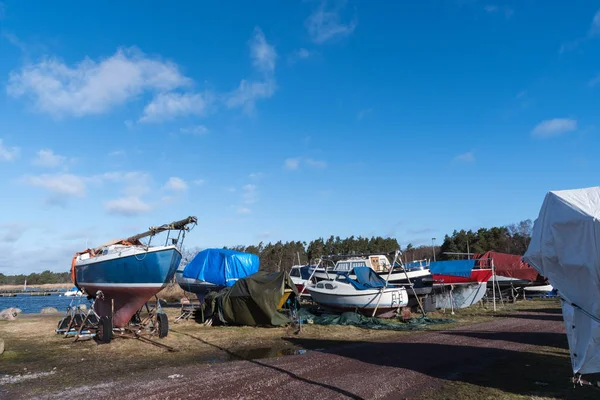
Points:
(195, 130)
(8, 153)
(198, 182)
(128, 124)
(46, 158)
(316, 163)
(248, 93)
(93, 87)
(249, 194)
(291, 163)
(58, 184)
(362, 113)
(176, 184)
(134, 183)
(467, 157)
(262, 53)
(324, 25)
(303, 53)
(127, 206)
(294, 164)
(244, 211)
(166, 106)
(595, 28)
(256, 175)
(554, 127)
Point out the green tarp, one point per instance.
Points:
(355, 319)
(252, 300)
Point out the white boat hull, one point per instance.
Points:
(460, 296)
(539, 289)
(344, 297)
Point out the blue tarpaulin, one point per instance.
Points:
(221, 267)
(366, 278)
(460, 268)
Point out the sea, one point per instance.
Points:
(34, 304)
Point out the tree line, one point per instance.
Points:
(512, 239)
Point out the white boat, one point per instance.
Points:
(300, 275)
(365, 294)
(539, 289)
(460, 296)
(73, 292)
(416, 273)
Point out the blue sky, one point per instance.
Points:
(288, 120)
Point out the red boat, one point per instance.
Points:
(480, 275)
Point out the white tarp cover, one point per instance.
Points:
(565, 248)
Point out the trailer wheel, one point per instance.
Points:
(104, 331)
(64, 322)
(163, 325)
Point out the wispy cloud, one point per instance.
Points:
(594, 81)
(554, 127)
(47, 159)
(127, 206)
(93, 87)
(262, 53)
(8, 153)
(293, 164)
(197, 130)
(495, 9)
(593, 32)
(244, 210)
(363, 113)
(263, 57)
(176, 184)
(325, 24)
(316, 163)
(61, 184)
(198, 182)
(298, 55)
(467, 157)
(167, 106)
(256, 175)
(249, 194)
(117, 153)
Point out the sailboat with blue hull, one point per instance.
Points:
(127, 272)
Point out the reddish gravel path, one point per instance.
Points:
(401, 367)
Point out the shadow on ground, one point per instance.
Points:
(523, 373)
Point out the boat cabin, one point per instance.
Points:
(378, 263)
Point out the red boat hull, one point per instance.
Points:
(126, 302)
(477, 275)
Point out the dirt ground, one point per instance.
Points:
(516, 353)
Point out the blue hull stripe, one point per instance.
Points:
(155, 267)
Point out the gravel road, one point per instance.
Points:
(401, 367)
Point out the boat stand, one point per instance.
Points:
(83, 323)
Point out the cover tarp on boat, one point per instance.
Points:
(460, 268)
(509, 265)
(366, 278)
(221, 267)
(253, 300)
(565, 248)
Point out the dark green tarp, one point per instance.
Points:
(252, 300)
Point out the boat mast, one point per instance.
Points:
(153, 230)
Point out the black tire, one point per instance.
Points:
(64, 322)
(104, 330)
(163, 325)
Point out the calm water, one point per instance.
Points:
(34, 304)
